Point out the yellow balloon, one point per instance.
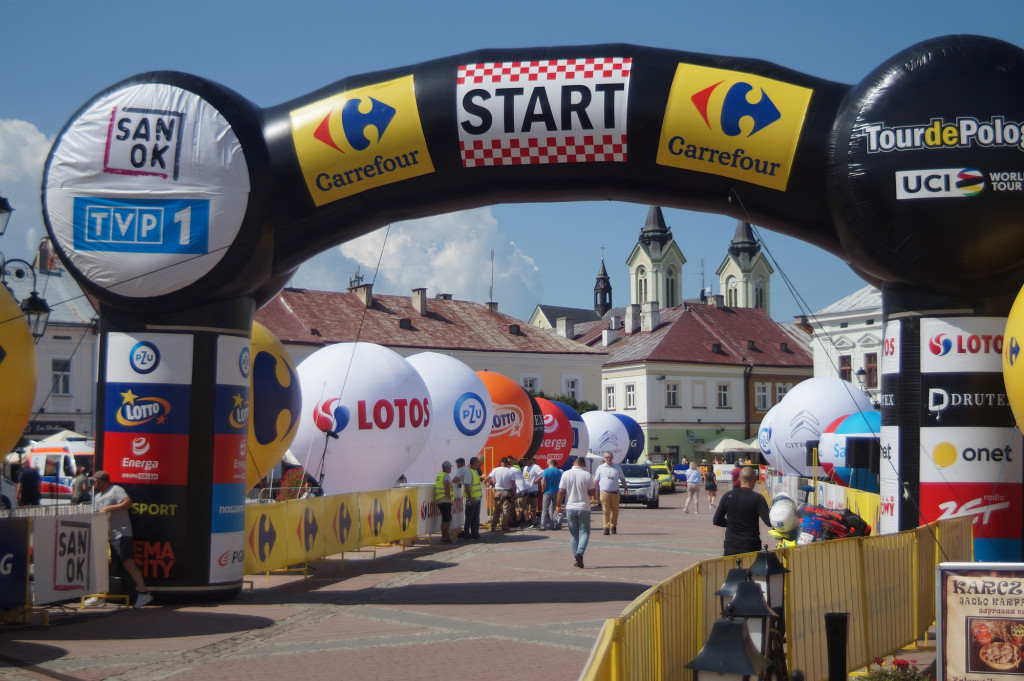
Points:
(276, 399)
(17, 372)
(1013, 358)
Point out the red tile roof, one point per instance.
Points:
(688, 334)
(308, 317)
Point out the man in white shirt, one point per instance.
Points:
(575, 491)
(504, 484)
(531, 480)
(609, 478)
(459, 472)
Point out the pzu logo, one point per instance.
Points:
(144, 357)
(469, 414)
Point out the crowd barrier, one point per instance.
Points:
(885, 582)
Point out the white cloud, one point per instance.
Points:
(446, 254)
(23, 150)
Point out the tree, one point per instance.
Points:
(581, 406)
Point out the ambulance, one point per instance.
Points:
(57, 461)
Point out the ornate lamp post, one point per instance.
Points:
(728, 654)
(5, 214)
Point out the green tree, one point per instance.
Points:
(582, 406)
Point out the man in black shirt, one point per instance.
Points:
(29, 484)
(738, 513)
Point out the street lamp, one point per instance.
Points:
(749, 603)
(728, 654)
(35, 308)
(770, 574)
(733, 579)
(5, 214)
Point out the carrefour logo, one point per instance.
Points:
(360, 139)
(734, 124)
(1012, 350)
(469, 413)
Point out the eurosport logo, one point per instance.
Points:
(152, 226)
(965, 132)
(469, 414)
(136, 411)
(144, 357)
(734, 124)
(939, 183)
(361, 139)
(971, 344)
(144, 142)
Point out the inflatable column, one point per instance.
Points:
(948, 442)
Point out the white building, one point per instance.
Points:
(847, 339)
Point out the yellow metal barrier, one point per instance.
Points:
(663, 629)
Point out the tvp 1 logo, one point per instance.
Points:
(733, 124)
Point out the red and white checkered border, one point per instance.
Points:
(558, 69)
(537, 150)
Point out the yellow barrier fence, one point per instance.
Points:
(664, 628)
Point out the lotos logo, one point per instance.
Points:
(734, 124)
(135, 410)
(329, 418)
(938, 183)
(889, 347)
(361, 139)
(399, 412)
(1012, 350)
(972, 344)
(239, 417)
(469, 412)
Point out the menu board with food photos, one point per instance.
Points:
(980, 624)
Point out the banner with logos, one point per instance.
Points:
(70, 556)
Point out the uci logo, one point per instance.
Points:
(144, 357)
(941, 182)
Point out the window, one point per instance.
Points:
(759, 293)
(844, 368)
(530, 385)
(630, 396)
(731, 293)
(700, 399)
(780, 391)
(670, 288)
(641, 285)
(671, 394)
(871, 370)
(762, 396)
(609, 397)
(723, 396)
(61, 374)
(572, 388)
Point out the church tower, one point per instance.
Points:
(745, 275)
(602, 291)
(656, 264)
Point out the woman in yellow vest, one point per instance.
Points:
(443, 497)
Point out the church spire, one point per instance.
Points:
(743, 245)
(602, 291)
(655, 230)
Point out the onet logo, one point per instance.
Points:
(355, 122)
(736, 106)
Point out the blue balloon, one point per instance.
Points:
(580, 436)
(636, 438)
(860, 423)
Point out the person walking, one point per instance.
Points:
(609, 478)
(694, 478)
(575, 492)
(473, 486)
(504, 484)
(739, 512)
(443, 497)
(115, 502)
(711, 486)
(549, 482)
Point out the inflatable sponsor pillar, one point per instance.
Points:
(948, 442)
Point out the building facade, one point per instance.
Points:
(847, 340)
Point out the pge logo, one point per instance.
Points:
(940, 345)
(230, 558)
(939, 183)
(136, 411)
(144, 142)
(144, 357)
(331, 417)
(712, 112)
(469, 413)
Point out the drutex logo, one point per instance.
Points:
(357, 140)
(733, 124)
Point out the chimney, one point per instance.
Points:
(613, 322)
(492, 306)
(419, 301)
(443, 296)
(608, 336)
(650, 317)
(565, 327)
(364, 292)
(632, 319)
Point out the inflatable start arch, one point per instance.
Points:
(182, 207)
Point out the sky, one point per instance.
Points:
(55, 55)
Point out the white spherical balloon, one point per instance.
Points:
(371, 410)
(764, 438)
(805, 412)
(607, 434)
(461, 414)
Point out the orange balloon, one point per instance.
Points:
(512, 420)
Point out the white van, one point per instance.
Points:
(57, 462)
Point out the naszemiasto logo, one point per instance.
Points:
(734, 124)
(963, 133)
(360, 139)
(965, 344)
(136, 411)
(144, 142)
(939, 183)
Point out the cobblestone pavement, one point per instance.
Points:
(428, 612)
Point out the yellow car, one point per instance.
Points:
(665, 477)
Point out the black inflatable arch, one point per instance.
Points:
(182, 206)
